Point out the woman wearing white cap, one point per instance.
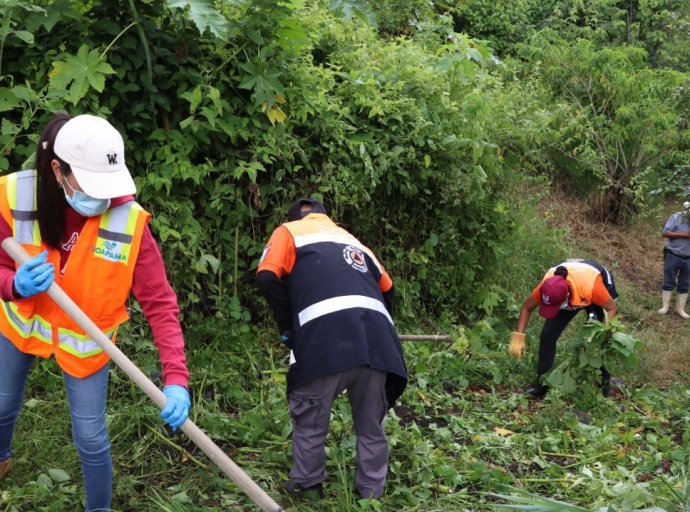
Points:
(76, 215)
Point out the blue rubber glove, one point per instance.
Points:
(286, 337)
(34, 276)
(177, 407)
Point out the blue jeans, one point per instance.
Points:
(87, 399)
(676, 273)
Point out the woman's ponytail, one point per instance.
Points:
(561, 271)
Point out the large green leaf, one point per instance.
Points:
(84, 70)
(355, 9)
(8, 100)
(292, 34)
(204, 16)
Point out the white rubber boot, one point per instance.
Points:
(681, 299)
(665, 301)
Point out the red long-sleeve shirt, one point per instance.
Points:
(150, 287)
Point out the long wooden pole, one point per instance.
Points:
(205, 443)
(424, 337)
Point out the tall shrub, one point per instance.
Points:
(621, 116)
(226, 123)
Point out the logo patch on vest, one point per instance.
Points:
(355, 258)
(110, 250)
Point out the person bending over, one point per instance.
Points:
(332, 301)
(572, 286)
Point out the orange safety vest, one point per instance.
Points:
(317, 233)
(581, 277)
(340, 318)
(98, 278)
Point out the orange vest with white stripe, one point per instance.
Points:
(581, 277)
(340, 320)
(98, 278)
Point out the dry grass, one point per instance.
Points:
(633, 253)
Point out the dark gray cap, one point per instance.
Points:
(295, 212)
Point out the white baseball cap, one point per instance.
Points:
(95, 151)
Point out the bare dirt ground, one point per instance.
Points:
(633, 253)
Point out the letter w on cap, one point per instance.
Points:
(112, 158)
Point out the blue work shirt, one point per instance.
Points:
(678, 222)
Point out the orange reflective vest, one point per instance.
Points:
(98, 278)
(340, 320)
(581, 277)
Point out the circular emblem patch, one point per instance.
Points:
(355, 258)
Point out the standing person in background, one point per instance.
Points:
(76, 216)
(571, 286)
(676, 261)
(332, 301)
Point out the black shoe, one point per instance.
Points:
(612, 387)
(536, 390)
(292, 488)
(606, 390)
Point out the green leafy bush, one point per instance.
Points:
(221, 135)
(595, 346)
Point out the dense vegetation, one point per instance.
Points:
(435, 131)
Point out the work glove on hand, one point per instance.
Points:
(34, 276)
(517, 345)
(177, 407)
(287, 339)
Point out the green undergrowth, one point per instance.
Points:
(461, 435)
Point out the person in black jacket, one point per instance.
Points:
(332, 301)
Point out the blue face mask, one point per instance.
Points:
(83, 203)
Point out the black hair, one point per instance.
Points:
(295, 211)
(50, 198)
(561, 271)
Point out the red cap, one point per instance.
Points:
(554, 292)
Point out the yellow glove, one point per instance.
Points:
(517, 345)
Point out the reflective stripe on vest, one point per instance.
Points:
(115, 232)
(21, 188)
(607, 278)
(335, 304)
(80, 346)
(581, 265)
(36, 327)
(335, 235)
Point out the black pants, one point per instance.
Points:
(552, 330)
